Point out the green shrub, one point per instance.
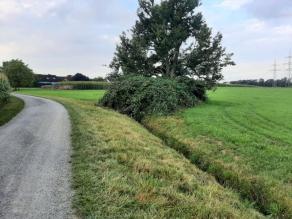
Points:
(197, 88)
(4, 89)
(84, 85)
(138, 96)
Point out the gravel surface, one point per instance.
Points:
(34, 162)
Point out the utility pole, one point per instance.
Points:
(275, 71)
(289, 69)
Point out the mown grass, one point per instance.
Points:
(83, 95)
(243, 137)
(120, 170)
(10, 109)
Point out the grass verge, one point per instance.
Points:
(120, 170)
(10, 110)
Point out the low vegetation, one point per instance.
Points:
(4, 89)
(243, 138)
(10, 109)
(120, 170)
(9, 106)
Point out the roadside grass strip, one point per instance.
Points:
(10, 109)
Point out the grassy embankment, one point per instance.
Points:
(10, 109)
(120, 170)
(243, 137)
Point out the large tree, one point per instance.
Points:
(18, 73)
(79, 77)
(170, 39)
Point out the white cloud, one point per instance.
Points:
(8, 8)
(284, 30)
(255, 25)
(234, 4)
(11, 8)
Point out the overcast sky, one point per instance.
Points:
(67, 36)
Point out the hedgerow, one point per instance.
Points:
(138, 96)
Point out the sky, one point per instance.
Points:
(64, 37)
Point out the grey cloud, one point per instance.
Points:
(270, 9)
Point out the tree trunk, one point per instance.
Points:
(174, 63)
(167, 66)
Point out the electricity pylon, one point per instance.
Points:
(289, 69)
(275, 72)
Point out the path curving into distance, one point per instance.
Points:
(34, 162)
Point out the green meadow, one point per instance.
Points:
(243, 137)
(81, 95)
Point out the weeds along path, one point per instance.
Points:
(10, 110)
(120, 170)
(241, 137)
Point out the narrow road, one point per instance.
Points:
(34, 162)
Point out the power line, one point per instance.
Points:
(275, 70)
(289, 69)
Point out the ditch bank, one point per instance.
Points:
(254, 189)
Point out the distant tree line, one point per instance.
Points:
(284, 82)
(76, 77)
(20, 75)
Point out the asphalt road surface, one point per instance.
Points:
(34, 162)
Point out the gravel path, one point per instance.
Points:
(34, 162)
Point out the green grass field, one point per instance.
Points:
(10, 110)
(243, 137)
(121, 170)
(83, 95)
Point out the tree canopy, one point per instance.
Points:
(18, 73)
(79, 77)
(171, 39)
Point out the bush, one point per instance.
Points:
(84, 85)
(138, 96)
(4, 89)
(197, 88)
